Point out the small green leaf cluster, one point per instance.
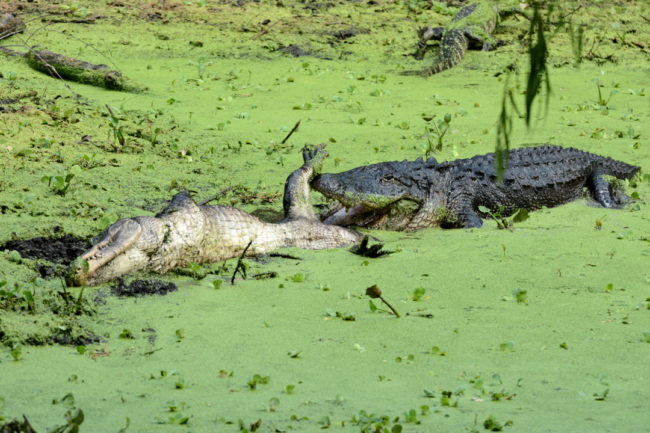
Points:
(434, 132)
(258, 379)
(519, 215)
(58, 184)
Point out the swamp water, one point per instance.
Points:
(542, 328)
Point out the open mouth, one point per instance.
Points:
(395, 216)
(364, 210)
(359, 215)
(345, 211)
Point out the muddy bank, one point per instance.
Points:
(63, 248)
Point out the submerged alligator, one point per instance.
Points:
(185, 232)
(471, 27)
(410, 195)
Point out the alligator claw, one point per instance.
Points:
(314, 157)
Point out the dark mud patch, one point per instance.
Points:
(155, 16)
(150, 205)
(349, 32)
(44, 329)
(142, 288)
(50, 270)
(317, 6)
(56, 249)
(295, 51)
(68, 339)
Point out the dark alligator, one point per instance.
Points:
(185, 232)
(411, 195)
(471, 27)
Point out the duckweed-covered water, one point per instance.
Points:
(542, 328)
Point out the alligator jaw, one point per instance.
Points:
(330, 187)
(395, 216)
(392, 211)
(117, 239)
(357, 215)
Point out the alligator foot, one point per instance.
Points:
(601, 191)
(425, 34)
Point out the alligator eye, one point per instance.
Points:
(388, 178)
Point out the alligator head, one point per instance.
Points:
(115, 253)
(132, 244)
(385, 195)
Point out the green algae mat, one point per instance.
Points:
(543, 327)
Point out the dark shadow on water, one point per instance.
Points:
(142, 288)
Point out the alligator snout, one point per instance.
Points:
(326, 184)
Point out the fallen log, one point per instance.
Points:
(69, 68)
(64, 67)
(58, 65)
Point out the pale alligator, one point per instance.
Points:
(410, 195)
(185, 232)
(471, 27)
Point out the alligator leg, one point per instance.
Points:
(600, 189)
(299, 213)
(181, 201)
(117, 239)
(296, 200)
(461, 210)
(470, 219)
(427, 33)
(478, 39)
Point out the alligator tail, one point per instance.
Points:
(439, 66)
(618, 169)
(452, 50)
